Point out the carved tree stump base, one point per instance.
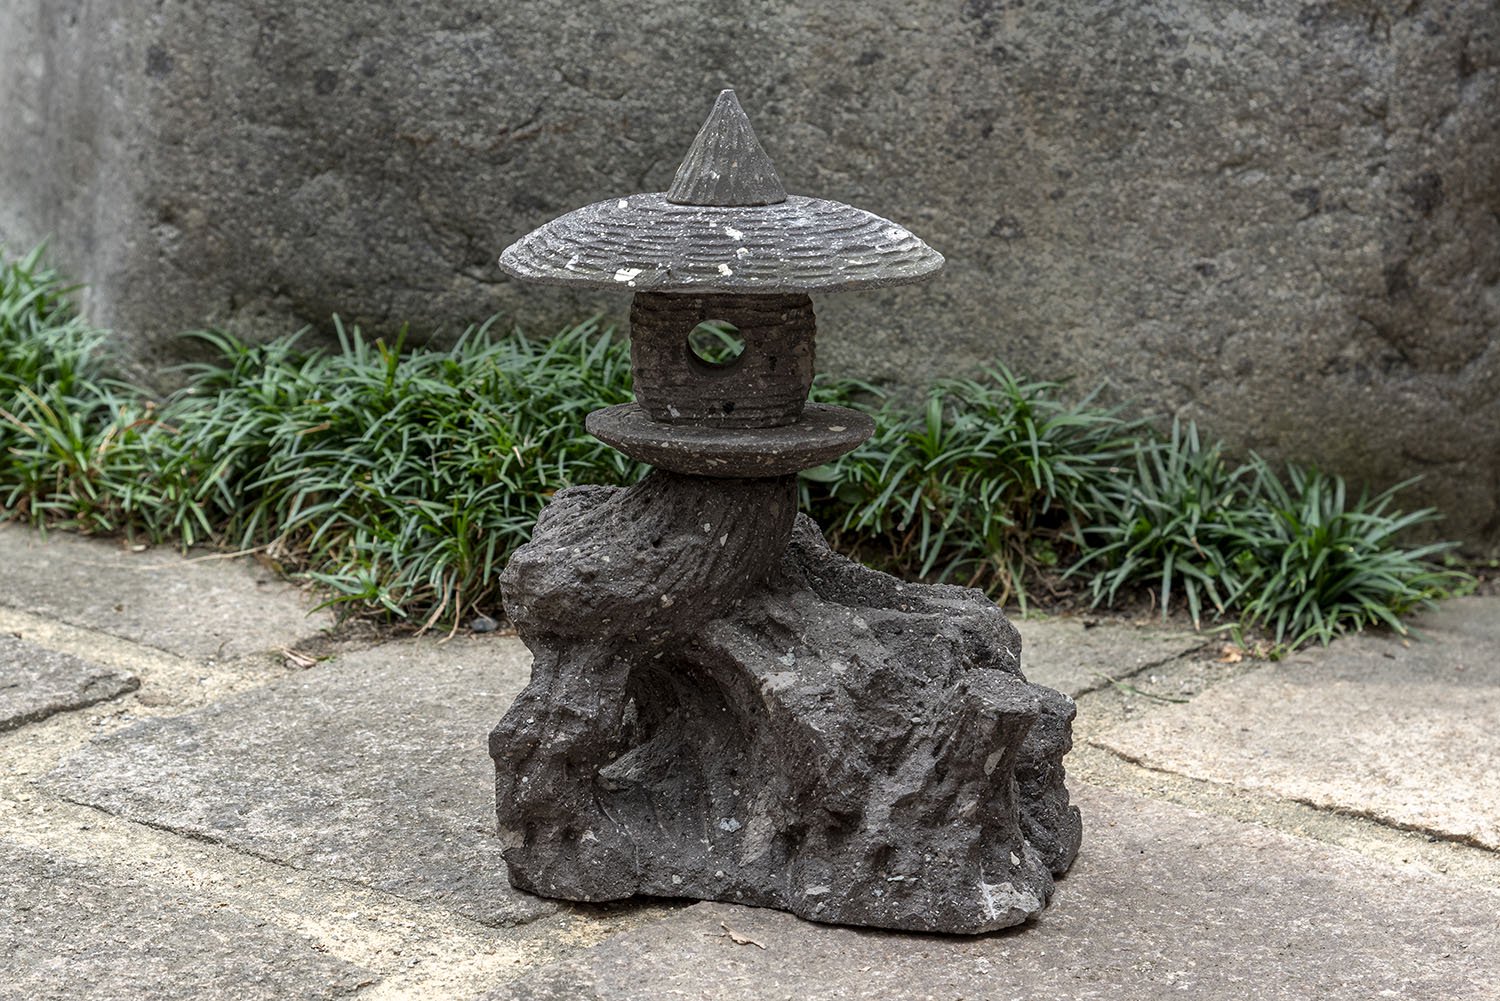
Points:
(723, 708)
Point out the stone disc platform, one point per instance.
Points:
(821, 434)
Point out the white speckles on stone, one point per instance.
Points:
(627, 275)
(1015, 859)
(987, 894)
(666, 601)
(707, 527)
(724, 270)
(859, 623)
(724, 539)
(859, 250)
(787, 659)
(816, 891)
(676, 880)
(837, 427)
(729, 824)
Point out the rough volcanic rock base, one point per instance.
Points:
(723, 708)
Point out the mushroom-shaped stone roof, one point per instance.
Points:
(725, 225)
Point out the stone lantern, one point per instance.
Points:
(721, 707)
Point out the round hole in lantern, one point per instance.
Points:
(715, 343)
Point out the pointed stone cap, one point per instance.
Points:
(727, 225)
(726, 164)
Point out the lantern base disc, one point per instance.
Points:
(821, 434)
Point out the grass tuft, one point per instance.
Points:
(1288, 553)
(1323, 566)
(986, 483)
(1173, 524)
(401, 480)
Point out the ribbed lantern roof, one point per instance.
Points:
(725, 225)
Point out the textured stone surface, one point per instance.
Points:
(71, 931)
(1077, 655)
(1414, 744)
(1277, 217)
(821, 434)
(203, 609)
(370, 769)
(804, 244)
(1162, 903)
(765, 385)
(716, 714)
(36, 683)
(726, 164)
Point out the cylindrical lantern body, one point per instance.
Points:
(765, 386)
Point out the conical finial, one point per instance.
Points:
(726, 165)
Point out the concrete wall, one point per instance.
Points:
(1280, 218)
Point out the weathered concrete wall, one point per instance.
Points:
(1278, 217)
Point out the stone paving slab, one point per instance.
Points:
(1407, 732)
(202, 609)
(1163, 903)
(36, 683)
(1076, 655)
(68, 931)
(373, 768)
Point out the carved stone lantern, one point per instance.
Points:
(721, 707)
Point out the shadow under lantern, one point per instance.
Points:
(720, 706)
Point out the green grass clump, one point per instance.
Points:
(1175, 524)
(401, 481)
(1291, 554)
(46, 347)
(987, 483)
(60, 409)
(1324, 565)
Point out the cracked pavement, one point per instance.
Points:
(189, 810)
